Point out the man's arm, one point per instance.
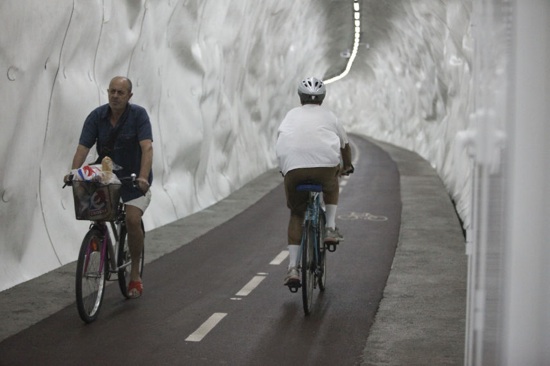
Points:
(80, 156)
(78, 159)
(346, 158)
(146, 164)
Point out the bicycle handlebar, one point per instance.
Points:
(68, 180)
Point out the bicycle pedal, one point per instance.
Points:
(294, 286)
(331, 247)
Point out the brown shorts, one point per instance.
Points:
(327, 177)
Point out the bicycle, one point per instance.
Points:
(98, 258)
(313, 247)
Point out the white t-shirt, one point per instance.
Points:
(310, 136)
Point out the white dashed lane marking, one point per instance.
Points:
(206, 327)
(279, 258)
(215, 318)
(251, 285)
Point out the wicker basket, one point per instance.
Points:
(95, 201)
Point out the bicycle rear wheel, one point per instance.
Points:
(90, 276)
(308, 266)
(124, 262)
(322, 253)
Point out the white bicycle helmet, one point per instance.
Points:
(312, 90)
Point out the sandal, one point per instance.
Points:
(135, 289)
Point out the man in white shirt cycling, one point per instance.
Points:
(311, 145)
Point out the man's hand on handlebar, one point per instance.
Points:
(347, 170)
(142, 185)
(68, 180)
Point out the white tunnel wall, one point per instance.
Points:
(215, 77)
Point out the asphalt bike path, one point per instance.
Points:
(218, 298)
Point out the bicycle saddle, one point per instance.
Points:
(309, 187)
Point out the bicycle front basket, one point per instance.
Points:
(95, 201)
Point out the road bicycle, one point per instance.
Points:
(104, 253)
(312, 247)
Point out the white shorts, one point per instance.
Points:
(141, 202)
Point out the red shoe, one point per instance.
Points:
(135, 289)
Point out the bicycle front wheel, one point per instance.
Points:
(124, 262)
(308, 266)
(91, 270)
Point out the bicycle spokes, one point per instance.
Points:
(90, 275)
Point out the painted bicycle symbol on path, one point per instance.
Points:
(362, 216)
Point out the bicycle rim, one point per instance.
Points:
(90, 276)
(322, 252)
(308, 267)
(124, 262)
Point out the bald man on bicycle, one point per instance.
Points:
(312, 145)
(123, 132)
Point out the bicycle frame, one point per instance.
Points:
(312, 216)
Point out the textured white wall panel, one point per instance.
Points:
(215, 76)
(416, 84)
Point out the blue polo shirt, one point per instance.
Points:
(127, 151)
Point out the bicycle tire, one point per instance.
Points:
(308, 266)
(124, 262)
(90, 276)
(322, 253)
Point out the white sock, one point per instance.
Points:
(330, 212)
(294, 254)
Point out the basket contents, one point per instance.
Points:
(107, 169)
(102, 173)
